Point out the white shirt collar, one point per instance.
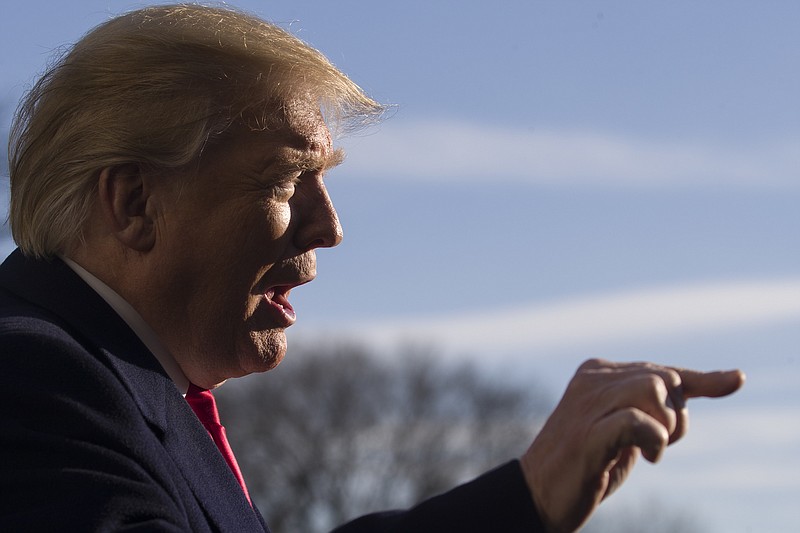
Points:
(136, 323)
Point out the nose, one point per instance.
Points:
(319, 225)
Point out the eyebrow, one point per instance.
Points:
(295, 159)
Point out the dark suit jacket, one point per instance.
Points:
(95, 436)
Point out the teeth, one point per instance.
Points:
(278, 297)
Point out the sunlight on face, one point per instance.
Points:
(239, 237)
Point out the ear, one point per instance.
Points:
(123, 200)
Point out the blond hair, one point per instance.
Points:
(152, 88)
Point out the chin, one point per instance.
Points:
(266, 351)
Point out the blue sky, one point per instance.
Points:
(562, 180)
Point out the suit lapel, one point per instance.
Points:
(55, 287)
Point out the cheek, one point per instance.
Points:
(281, 220)
(257, 232)
(270, 221)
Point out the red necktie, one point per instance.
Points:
(205, 407)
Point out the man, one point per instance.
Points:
(167, 195)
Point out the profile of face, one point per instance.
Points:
(236, 238)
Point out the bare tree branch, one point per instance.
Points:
(335, 432)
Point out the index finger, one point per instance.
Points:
(696, 384)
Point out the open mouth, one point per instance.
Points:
(278, 299)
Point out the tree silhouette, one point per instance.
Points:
(334, 433)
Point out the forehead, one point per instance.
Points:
(296, 137)
(306, 143)
(298, 124)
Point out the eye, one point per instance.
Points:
(284, 188)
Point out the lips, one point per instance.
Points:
(277, 300)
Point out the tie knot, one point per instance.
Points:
(203, 404)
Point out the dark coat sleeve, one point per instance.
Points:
(499, 501)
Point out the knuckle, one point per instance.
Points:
(659, 387)
(590, 364)
(672, 377)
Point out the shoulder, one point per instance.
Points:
(49, 372)
(35, 344)
(77, 435)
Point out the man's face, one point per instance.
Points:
(236, 238)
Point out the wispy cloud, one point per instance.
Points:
(705, 457)
(441, 150)
(576, 322)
